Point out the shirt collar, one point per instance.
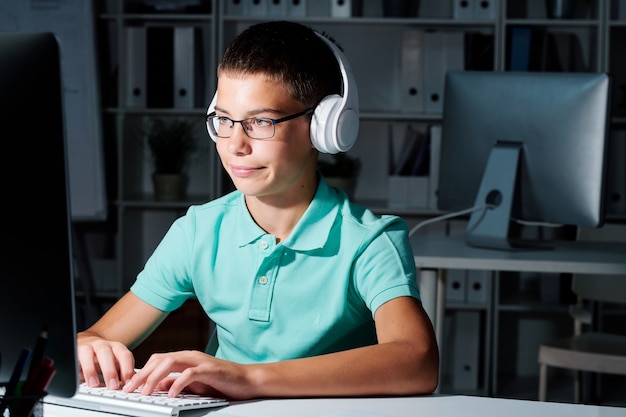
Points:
(312, 230)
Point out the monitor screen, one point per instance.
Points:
(36, 286)
(528, 145)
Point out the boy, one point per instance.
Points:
(311, 294)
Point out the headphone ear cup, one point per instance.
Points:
(210, 110)
(335, 122)
(323, 133)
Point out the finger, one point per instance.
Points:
(86, 359)
(108, 366)
(159, 368)
(126, 363)
(146, 379)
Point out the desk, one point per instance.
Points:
(441, 253)
(427, 406)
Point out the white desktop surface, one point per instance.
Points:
(425, 406)
(564, 257)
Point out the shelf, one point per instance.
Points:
(553, 22)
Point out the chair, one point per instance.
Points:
(592, 351)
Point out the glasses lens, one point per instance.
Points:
(258, 128)
(219, 126)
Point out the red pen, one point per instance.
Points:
(34, 387)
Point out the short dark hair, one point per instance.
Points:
(287, 52)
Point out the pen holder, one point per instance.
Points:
(22, 406)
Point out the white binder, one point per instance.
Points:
(478, 287)
(135, 89)
(184, 66)
(341, 8)
(411, 96)
(456, 284)
(443, 52)
(484, 9)
(234, 7)
(463, 9)
(466, 350)
(297, 8)
(255, 7)
(277, 7)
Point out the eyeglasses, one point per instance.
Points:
(254, 127)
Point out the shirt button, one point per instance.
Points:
(263, 244)
(263, 280)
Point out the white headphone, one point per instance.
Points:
(335, 122)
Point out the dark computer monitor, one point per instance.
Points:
(529, 145)
(36, 285)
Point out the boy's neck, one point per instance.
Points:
(279, 215)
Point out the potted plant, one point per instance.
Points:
(340, 170)
(171, 145)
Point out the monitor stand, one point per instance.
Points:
(489, 228)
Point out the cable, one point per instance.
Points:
(448, 216)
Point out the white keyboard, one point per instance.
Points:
(137, 405)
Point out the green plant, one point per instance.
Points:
(171, 144)
(339, 165)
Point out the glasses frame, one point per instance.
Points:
(213, 115)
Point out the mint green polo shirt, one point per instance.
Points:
(313, 293)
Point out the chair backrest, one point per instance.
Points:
(607, 288)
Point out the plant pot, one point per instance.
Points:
(169, 187)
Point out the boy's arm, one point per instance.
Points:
(104, 347)
(404, 362)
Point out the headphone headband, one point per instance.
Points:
(335, 121)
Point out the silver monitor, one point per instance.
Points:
(529, 145)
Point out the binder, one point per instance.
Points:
(484, 9)
(341, 8)
(435, 156)
(443, 52)
(298, 8)
(456, 284)
(412, 100)
(277, 7)
(466, 350)
(135, 89)
(234, 7)
(478, 289)
(255, 7)
(184, 66)
(463, 9)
